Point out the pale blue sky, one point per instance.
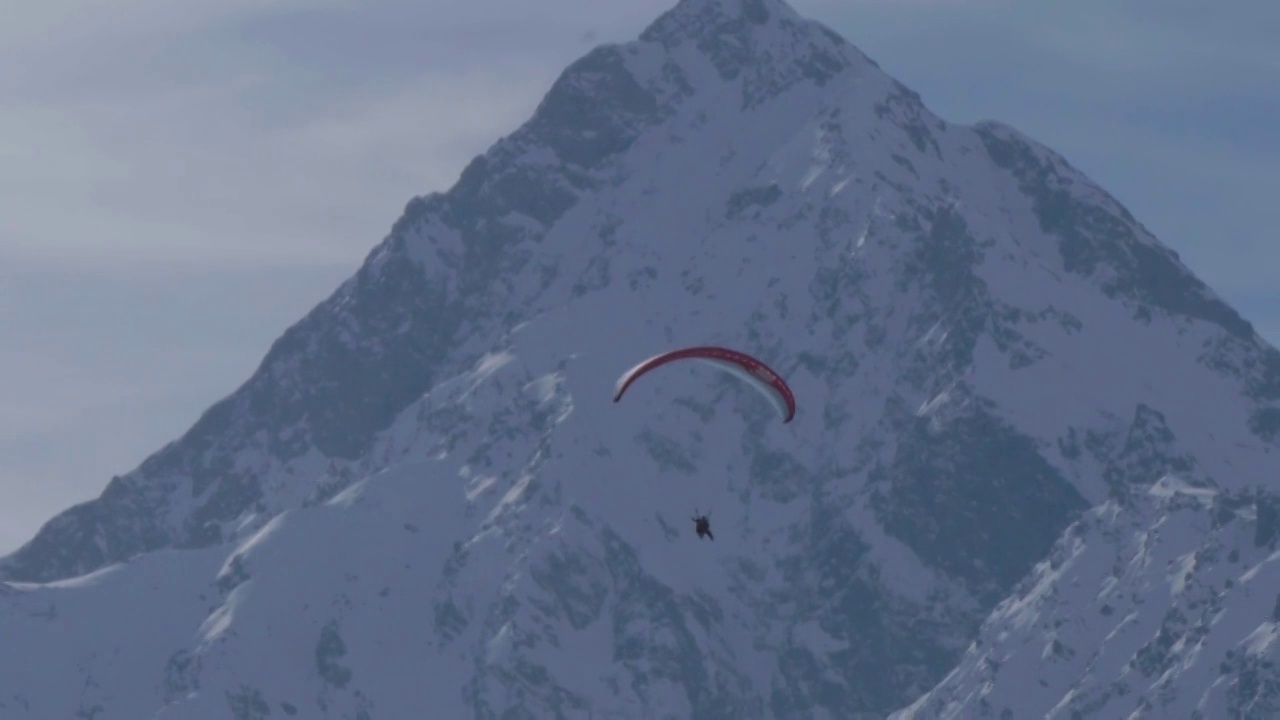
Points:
(181, 181)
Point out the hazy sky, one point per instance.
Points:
(181, 181)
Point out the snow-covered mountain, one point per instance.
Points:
(1029, 474)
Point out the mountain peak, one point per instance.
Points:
(426, 491)
(696, 17)
(740, 34)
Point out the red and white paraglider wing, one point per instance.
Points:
(740, 365)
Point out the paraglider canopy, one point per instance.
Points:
(740, 365)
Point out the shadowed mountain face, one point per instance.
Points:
(424, 497)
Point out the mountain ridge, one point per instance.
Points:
(956, 308)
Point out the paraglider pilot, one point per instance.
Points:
(702, 526)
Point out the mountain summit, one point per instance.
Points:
(1028, 457)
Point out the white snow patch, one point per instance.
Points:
(1169, 485)
(1253, 571)
(1186, 566)
(1261, 639)
(543, 389)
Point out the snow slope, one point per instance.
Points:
(1167, 608)
(424, 503)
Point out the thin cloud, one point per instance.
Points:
(236, 136)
